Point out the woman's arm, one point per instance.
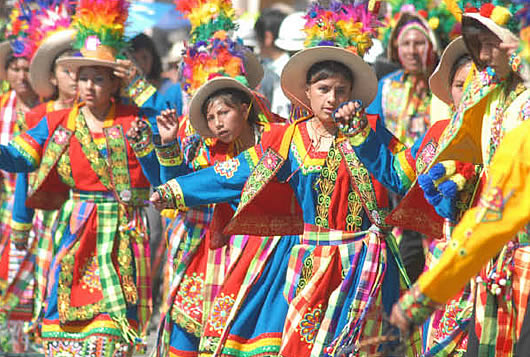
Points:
(23, 154)
(503, 209)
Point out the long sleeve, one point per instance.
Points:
(22, 217)
(23, 154)
(503, 209)
(396, 169)
(222, 182)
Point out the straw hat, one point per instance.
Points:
(100, 29)
(439, 80)
(294, 73)
(197, 119)
(324, 45)
(501, 32)
(51, 35)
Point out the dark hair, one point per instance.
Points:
(269, 20)
(326, 69)
(232, 97)
(460, 62)
(143, 41)
(10, 58)
(471, 28)
(405, 19)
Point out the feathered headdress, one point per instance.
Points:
(343, 25)
(100, 26)
(212, 52)
(17, 29)
(50, 36)
(47, 21)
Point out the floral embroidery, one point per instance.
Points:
(53, 153)
(426, 156)
(270, 162)
(310, 324)
(220, 312)
(61, 137)
(169, 155)
(118, 163)
(90, 275)
(491, 205)
(260, 176)
(227, 168)
(190, 294)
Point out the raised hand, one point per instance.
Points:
(168, 125)
(350, 117)
(126, 71)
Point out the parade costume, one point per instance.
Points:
(403, 100)
(48, 37)
(334, 211)
(98, 294)
(17, 308)
(212, 275)
(490, 108)
(398, 170)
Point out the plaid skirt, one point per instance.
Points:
(98, 299)
(338, 286)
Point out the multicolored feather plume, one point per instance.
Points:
(100, 22)
(51, 18)
(348, 26)
(212, 50)
(17, 29)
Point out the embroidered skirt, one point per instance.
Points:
(98, 295)
(445, 333)
(338, 286)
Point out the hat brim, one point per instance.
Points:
(289, 45)
(502, 33)
(197, 119)
(41, 66)
(253, 69)
(74, 63)
(439, 80)
(5, 49)
(293, 79)
(407, 16)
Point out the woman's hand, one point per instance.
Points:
(168, 125)
(158, 201)
(398, 319)
(126, 71)
(134, 133)
(350, 117)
